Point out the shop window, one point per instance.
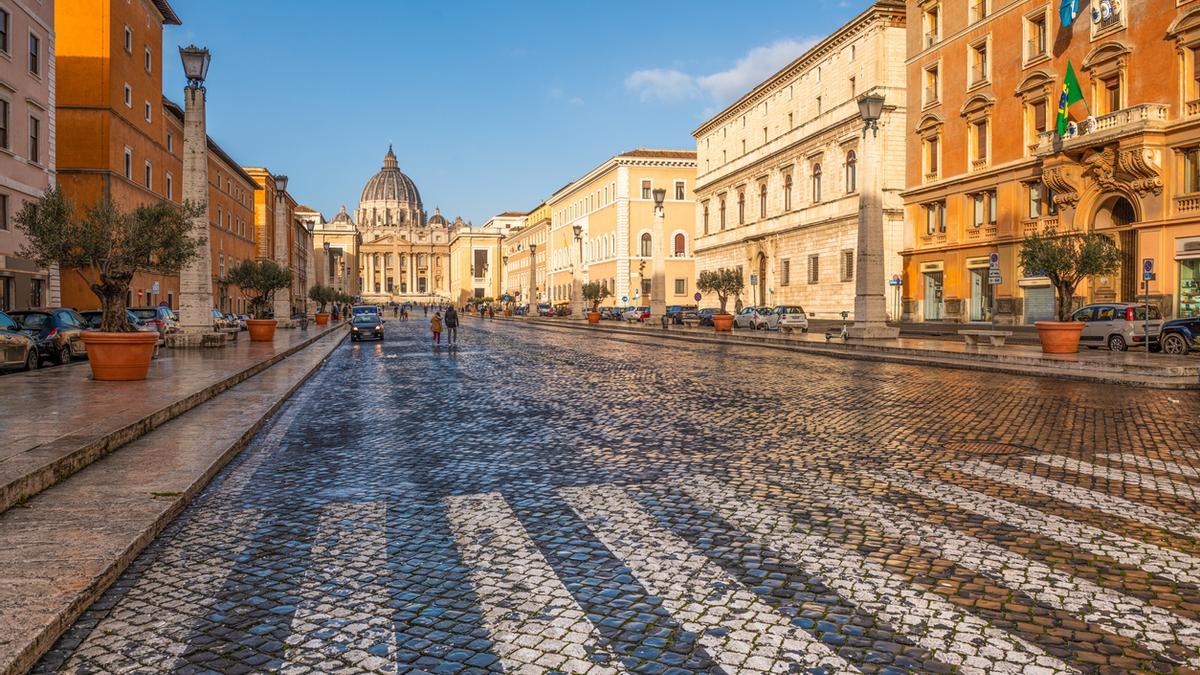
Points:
(1189, 288)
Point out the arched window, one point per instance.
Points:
(787, 192)
(680, 245)
(706, 218)
(816, 183)
(851, 171)
(762, 200)
(722, 213)
(742, 207)
(647, 248)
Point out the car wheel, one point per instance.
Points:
(63, 356)
(1174, 343)
(31, 360)
(1116, 343)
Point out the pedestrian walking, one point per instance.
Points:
(737, 305)
(451, 322)
(426, 307)
(435, 325)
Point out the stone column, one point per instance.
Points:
(195, 279)
(576, 300)
(870, 305)
(658, 270)
(283, 296)
(370, 274)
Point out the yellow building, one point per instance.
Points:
(335, 249)
(475, 268)
(601, 224)
(524, 268)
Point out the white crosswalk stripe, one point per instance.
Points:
(344, 591)
(1164, 485)
(1151, 464)
(525, 606)
(1088, 499)
(1155, 628)
(955, 638)
(697, 592)
(1164, 562)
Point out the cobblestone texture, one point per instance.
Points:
(535, 501)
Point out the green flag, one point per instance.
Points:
(1071, 106)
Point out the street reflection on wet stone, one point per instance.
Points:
(547, 500)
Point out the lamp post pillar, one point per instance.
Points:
(195, 279)
(577, 273)
(658, 269)
(533, 299)
(870, 305)
(283, 297)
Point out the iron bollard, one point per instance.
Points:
(665, 321)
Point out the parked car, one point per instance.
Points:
(242, 319)
(57, 331)
(636, 314)
(747, 317)
(1180, 336)
(18, 349)
(786, 318)
(366, 325)
(1118, 325)
(706, 315)
(687, 315)
(91, 319)
(160, 318)
(544, 309)
(675, 312)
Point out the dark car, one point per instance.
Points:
(17, 348)
(159, 318)
(706, 315)
(58, 332)
(544, 309)
(1180, 336)
(366, 326)
(675, 312)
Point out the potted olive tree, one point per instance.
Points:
(322, 295)
(726, 283)
(1066, 260)
(259, 281)
(106, 247)
(594, 293)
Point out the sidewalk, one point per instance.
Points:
(1140, 369)
(57, 421)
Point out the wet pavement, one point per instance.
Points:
(549, 501)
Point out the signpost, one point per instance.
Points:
(994, 280)
(896, 282)
(1147, 277)
(697, 296)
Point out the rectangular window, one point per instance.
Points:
(847, 267)
(128, 163)
(680, 190)
(791, 125)
(128, 96)
(646, 189)
(981, 140)
(935, 217)
(1112, 94)
(764, 140)
(147, 109)
(35, 54)
(1035, 37)
(128, 39)
(3, 211)
(170, 142)
(681, 287)
(814, 268)
(35, 140)
(991, 207)
(931, 155)
(149, 176)
(4, 29)
(4, 124)
(979, 9)
(932, 25)
(646, 287)
(979, 63)
(1191, 170)
(785, 272)
(978, 210)
(170, 186)
(853, 87)
(932, 85)
(149, 60)
(1037, 118)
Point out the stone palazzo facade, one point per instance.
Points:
(777, 190)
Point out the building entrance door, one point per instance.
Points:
(933, 296)
(981, 295)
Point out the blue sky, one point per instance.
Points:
(490, 106)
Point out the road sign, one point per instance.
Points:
(753, 279)
(994, 260)
(994, 277)
(624, 298)
(154, 288)
(697, 297)
(895, 280)
(1148, 269)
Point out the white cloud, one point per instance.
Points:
(670, 85)
(557, 94)
(662, 84)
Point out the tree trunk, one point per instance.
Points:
(113, 318)
(1063, 297)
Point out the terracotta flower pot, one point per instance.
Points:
(322, 318)
(119, 357)
(593, 317)
(261, 330)
(1059, 337)
(723, 323)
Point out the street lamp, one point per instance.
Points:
(283, 300)
(660, 194)
(870, 106)
(577, 268)
(658, 274)
(195, 64)
(533, 278)
(281, 182)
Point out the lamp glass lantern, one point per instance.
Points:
(195, 64)
(578, 230)
(532, 249)
(870, 106)
(281, 182)
(660, 194)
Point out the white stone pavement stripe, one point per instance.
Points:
(1088, 499)
(534, 622)
(1164, 562)
(954, 637)
(1150, 463)
(1164, 485)
(1154, 628)
(343, 592)
(697, 592)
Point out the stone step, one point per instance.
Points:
(58, 421)
(61, 549)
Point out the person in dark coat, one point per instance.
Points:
(451, 323)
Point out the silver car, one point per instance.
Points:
(1118, 325)
(747, 317)
(786, 318)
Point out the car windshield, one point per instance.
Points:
(33, 320)
(791, 310)
(150, 313)
(366, 318)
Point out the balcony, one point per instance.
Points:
(1192, 107)
(978, 165)
(931, 38)
(1187, 203)
(1031, 226)
(1105, 129)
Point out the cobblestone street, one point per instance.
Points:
(537, 501)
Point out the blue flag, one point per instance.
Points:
(1067, 11)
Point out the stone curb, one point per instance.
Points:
(1148, 376)
(18, 656)
(59, 468)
